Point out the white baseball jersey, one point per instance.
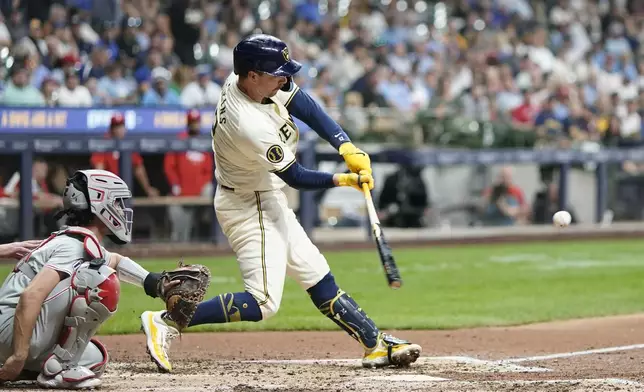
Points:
(253, 140)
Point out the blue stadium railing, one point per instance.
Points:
(153, 131)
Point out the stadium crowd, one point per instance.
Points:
(569, 71)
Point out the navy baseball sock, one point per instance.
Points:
(227, 308)
(344, 311)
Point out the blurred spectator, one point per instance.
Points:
(549, 125)
(34, 38)
(18, 92)
(67, 63)
(72, 93)
(115, 88)
(128, 43)
(106, 10)
(95, 67)
(189, 174)
(404, 200)
(631, 122)
(476, 105)
(152, 61)
(110, 160)
(159, 94)
(504, 203)
(45, 201)
(185, 18)
(201, 92)
(5, 35)
(39, 187)
(49, 90)
(83, 34)
(524, 115)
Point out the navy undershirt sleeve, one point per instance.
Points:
(299, 177)
(306, 109)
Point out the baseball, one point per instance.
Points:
(561, 218)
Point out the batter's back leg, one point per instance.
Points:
(380, 349)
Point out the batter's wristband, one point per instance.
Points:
(151, 283)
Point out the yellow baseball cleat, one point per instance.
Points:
(159, 335)
(391, 351)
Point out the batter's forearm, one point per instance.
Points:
(24, 322)
(299, 177)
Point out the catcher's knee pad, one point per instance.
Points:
(346, 313)
(97, 293)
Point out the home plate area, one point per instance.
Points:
(604, 354)
(458, 373)
(451, 373)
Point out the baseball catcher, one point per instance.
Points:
(65, 287)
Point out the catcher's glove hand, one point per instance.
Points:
(189, 289)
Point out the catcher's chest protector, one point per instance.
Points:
(91, 246)
(90, 242)
(97, 294)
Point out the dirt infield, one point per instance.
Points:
(603, 354)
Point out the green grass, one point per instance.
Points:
(444, 287)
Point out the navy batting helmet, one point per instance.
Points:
(264, 53)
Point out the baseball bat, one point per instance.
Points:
(386, 255)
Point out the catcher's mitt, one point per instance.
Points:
(181, 300)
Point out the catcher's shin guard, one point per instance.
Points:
(346, 313)
(98, 290)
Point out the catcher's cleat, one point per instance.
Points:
(158, 338)
(83, 378)
(391, 351)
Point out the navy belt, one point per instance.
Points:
(227, 188)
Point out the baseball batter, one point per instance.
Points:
(59, 294)
(255, 140)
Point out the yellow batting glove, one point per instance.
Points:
(356, 159)
(354, 180)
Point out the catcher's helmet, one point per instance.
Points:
(264, 53)
(100, 193)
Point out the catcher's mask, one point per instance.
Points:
(102, 194)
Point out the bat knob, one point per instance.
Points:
(396, 284)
